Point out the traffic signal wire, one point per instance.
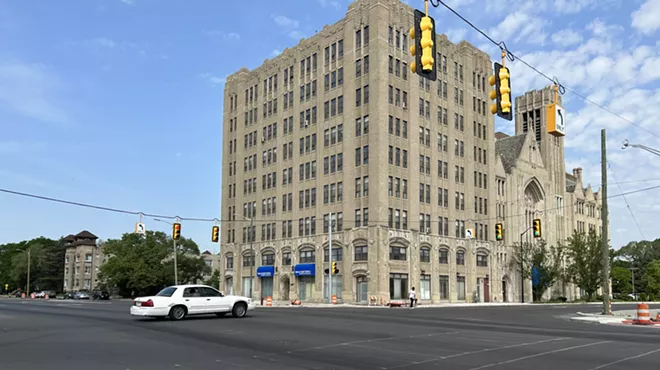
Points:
(627, 204)
(562, 88)
(201, 219)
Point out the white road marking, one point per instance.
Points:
(479, 351)
(625, 359)
(540, 354)
(371, 341)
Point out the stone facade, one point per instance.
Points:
(82, 262)
(298, 132)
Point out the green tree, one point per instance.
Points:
(214, 280)
(46, 264)
(651, 277)
(585, 261)
(541, 263)
(621, 279)
(144, 264)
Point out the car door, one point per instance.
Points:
(193, 299)
(215, 301)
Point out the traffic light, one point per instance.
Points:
(498, 232)
(422, 46)
(537, 228)
(176, 231)
(215, 234)
(501, 94)
(334, 268)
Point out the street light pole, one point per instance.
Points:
(522, 268)
(176, 272)
(28, 271)
(626, 144)
(251, 237)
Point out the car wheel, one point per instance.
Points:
(239, 310)
(178, 312)
(220, 314)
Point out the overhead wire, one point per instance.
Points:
(632, 214)
(512, 57)
(254, 220)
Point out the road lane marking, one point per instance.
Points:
(540, 354)
(625, 359)
(478, 351)
(370, 341)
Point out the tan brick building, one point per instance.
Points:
(82, 261)
(298, 134)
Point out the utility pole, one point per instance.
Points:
(330, 260)
(254, 258)
(603, 215)
(28, 272)
(632, 270)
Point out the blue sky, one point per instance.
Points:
(119, 102)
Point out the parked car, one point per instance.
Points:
(100, 295)
(179, 301)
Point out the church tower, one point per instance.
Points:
(531, 117)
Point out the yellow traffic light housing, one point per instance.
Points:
(501, 94)
(499, 234)
(537, 228)
(422, 46)
(215, 234)
(176, 231)
(334, 270)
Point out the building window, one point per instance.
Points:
(425, 287)
(361, 253)
(397, 253)
(444, 286)
(482, 260)
(444, 257)
(424, 254)
(398, 286)
(460, 258)
(268, 259)
(307, 256)
(286, 258)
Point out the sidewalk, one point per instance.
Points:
(281, 304)
(621, 317)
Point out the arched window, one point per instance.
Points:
(248, 259)
(361, 253)
(482, 259)
(443, 257)
(424, 254)
(398, 252)
(337, 253)
(229, 261)
(307, 255)
(460, 258)
(268, 258)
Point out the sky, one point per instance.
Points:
(118, 103)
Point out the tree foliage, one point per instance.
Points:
(542, 263)
(214, 280)
(46, 264)
(142, 265)
(585, 253)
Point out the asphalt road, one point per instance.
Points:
(67, 335)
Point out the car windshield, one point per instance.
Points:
(167, 292)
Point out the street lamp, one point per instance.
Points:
(176, 273)
(626, 144)
(251, 237)
(28, 250)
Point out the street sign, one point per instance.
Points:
(469, 233)
(556, 119)
(140, 228)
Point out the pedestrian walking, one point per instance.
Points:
(413, 297)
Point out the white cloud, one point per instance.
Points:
(296, 35)
(284, 21)
(215, 80)
(571, 6)
(329, 3)
(566, 37)
(456, 35)
(105, 42)
(521, 27)
(275, 52)
(227, 36)
(646, 19)
(129, 2)
(31, 89)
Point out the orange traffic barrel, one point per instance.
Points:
(269, 301)
(334, 299)
(643, 315)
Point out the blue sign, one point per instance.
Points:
(305, 269)
(265, 271)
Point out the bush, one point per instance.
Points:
(642, 297)
(652, 297)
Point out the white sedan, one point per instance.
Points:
(180, 301)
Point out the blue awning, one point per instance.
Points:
(305, 269)
(265, 271)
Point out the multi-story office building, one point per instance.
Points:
(338, 128)
(82, 261)
(337, 131)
